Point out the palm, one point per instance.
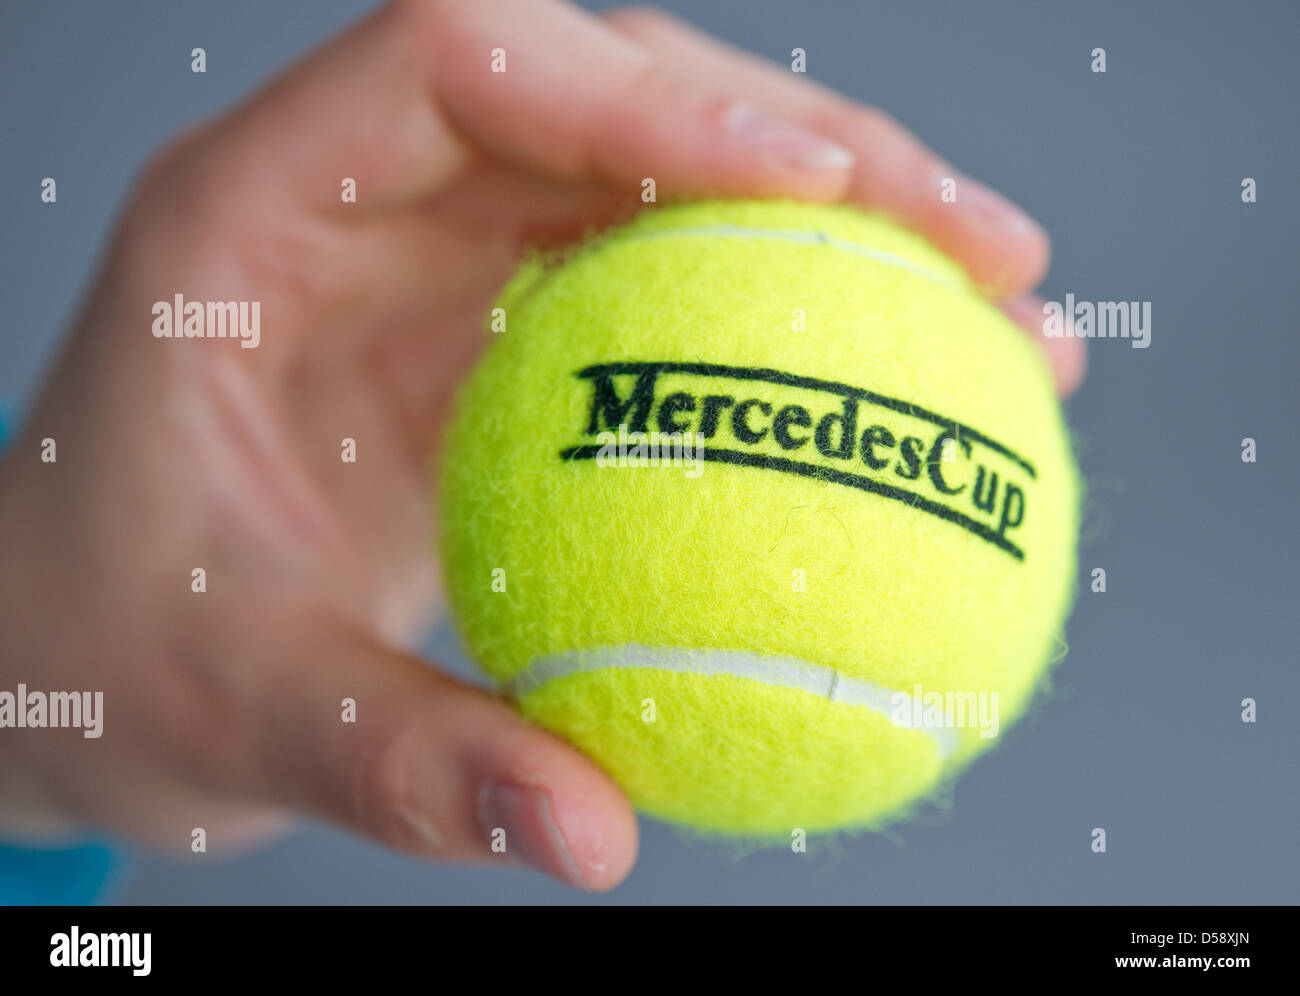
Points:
(367, 328)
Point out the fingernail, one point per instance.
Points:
(790, 144)
(988, 208)
(531, 835)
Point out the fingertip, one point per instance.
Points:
(557, 811)
(1002, 248)
(601, 828)
(1066, 353)
(1069, 359)
(1005, 251)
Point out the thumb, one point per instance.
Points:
(435, 767)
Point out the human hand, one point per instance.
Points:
(223, 707)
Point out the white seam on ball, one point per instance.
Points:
(794, 235)
(780, 672)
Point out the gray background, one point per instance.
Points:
(1136, 173)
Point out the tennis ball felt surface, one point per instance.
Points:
(883, 508)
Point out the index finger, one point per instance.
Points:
(413, 94)
(1002, 248)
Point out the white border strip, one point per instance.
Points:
(793, 235)
(780, 672)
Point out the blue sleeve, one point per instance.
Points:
(76, 876)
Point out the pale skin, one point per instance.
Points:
(222, 710)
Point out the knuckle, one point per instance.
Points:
(639, 20)
(385, 790)
(165, 163)
(181, 170)
(652, 83)
(166, 179)
(208, 724)
(178, 190)
(866, 120)
(429, 17)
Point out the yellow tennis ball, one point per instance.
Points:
(765, 509)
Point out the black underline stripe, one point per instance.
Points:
(813, 384)
(910, 498)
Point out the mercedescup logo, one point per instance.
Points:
(784, 423)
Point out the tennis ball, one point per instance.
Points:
(761, 506)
